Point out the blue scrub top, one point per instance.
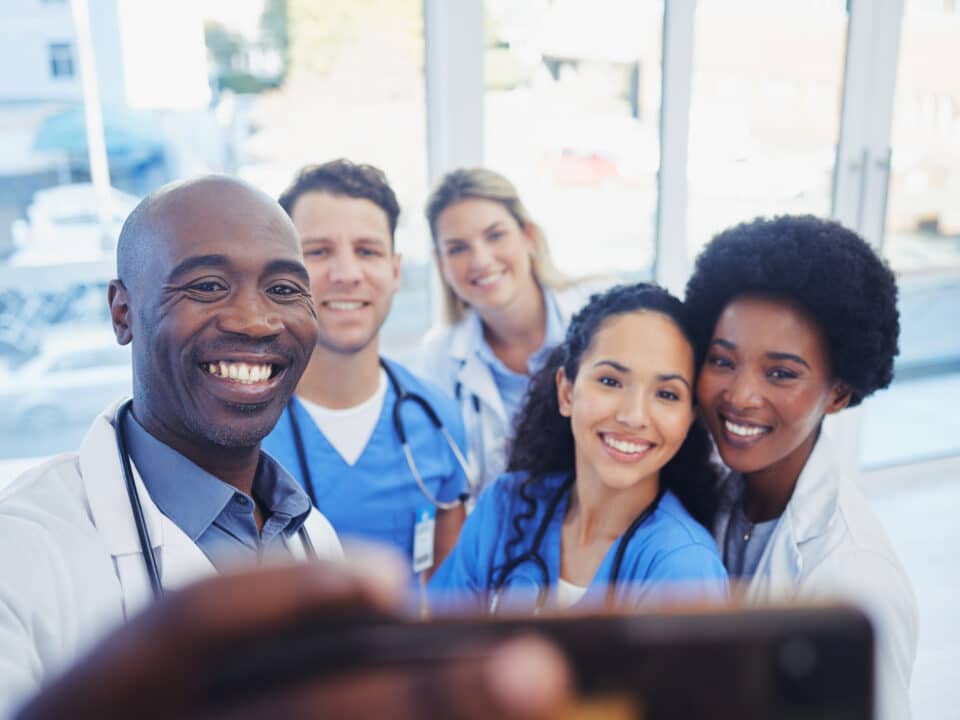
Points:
(377, 497)
(670, 557)
(511, 385)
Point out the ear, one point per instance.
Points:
(120, 313)
(396, 262)
(839, 397)
(530, 233)
(441, 268)
(564, 393)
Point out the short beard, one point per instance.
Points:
(235, 437)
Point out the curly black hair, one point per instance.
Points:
(347, 178)
(543, 440)
(826, 269)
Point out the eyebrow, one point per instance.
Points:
(304, 239)
(288, 267)
(673, 376)
(274, 267)
(198, 261)
(788, 356)
(492, 226)
(772, 355)
(665, 377)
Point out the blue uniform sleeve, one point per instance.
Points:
(462, 581)
(691, 572)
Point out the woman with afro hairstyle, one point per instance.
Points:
(799, 320)
(609, 490)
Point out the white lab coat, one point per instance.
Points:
(830, 545)
(71, 564)
(448, 358)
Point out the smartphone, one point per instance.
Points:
(789, 663)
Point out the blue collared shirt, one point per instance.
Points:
(512, 385)
(216, 516)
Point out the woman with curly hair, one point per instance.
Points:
(609, 489)
(799, 318)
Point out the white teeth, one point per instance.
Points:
(242, 373)
(625, 446)
(488, 279)
(743, 430)
(344, 305)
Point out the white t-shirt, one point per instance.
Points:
(568, 594)
(349, 429)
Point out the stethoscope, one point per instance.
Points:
(146, 546)
(402, 396)
(533, 554)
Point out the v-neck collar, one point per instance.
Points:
(318, 447)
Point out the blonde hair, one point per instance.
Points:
(484, 184)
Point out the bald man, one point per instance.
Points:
(213, 295)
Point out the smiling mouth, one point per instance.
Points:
(344, 305)
(242, 372)
(489, 279)
(626, 447)
(744, 431)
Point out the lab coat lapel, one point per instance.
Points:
(106, 491)
(180, 559)
(474, 376)
(476, 379)
(775, 576)
(808, 515)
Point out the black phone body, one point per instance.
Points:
(795, 663)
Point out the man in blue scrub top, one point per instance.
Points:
(337, 435)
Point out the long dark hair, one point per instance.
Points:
(543, 441)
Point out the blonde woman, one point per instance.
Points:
(506, 306)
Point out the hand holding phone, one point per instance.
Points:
(164, 663)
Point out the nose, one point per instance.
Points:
(250, 313)
(633, 410)
(344, 269)
(481, 255)
(742, 391)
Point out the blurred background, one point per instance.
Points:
(634, 129)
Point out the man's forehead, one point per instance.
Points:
(221, 218)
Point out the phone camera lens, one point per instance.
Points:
(798, 658)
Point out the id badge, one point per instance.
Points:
(423, 532)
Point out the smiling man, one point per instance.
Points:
(340, 434)
(214, 297)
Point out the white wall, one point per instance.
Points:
(27, 27)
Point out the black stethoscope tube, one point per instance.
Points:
(533, 554)
(146, 546)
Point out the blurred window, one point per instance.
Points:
(86, 360)
(61, 60)
(256, 88)
(572, 119)
(765, 110)
(914, 419)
